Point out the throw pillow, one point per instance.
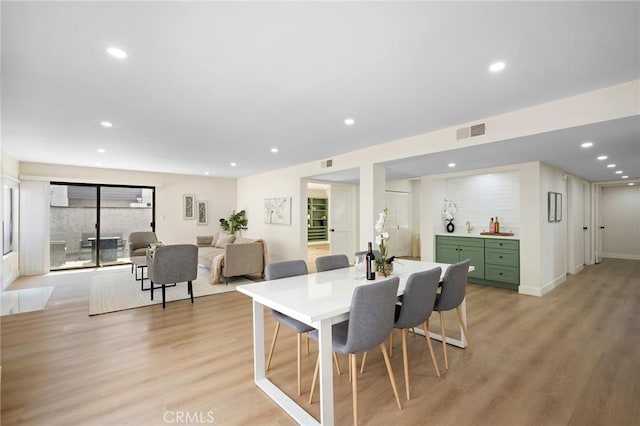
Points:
(214, 239)
(224, 239)
(204, 240)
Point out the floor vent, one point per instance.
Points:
(469, 132)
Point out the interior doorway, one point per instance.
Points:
(318, 244)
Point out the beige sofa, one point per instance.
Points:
(227, 256)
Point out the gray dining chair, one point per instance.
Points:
(376, 253)
(274, 271)
(454, 285)
(173, 264)
(417, 305)
(371, 319)
(334, 261)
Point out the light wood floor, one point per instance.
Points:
(570, 358)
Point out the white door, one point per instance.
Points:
(598, 222)
(340, 219)
(586, 215)
(398, 220)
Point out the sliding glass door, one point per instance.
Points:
(90, 224)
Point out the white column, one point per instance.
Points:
(34, 227)
(372, 200)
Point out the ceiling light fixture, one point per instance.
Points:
(349, 121)
(497, 66)
(586, 144)
(117, 52)
(98, 164)
(206, 173)
(274, 150)
(451, 165)
(602, 157)
(611, 166)
(232, 164)
(106, 124)
(625, 177)
(631, 184)
(102, 150)
(618, 172)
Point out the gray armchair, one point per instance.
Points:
(139, 241)
(171, 265)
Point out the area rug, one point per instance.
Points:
(115, 289)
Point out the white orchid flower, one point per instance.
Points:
(378, 239)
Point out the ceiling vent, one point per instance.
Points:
(326, 163)
(469, 132)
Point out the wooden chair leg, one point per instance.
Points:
(299, 361)
(444, 342)
(390, 371)
(391, 344)
(315, 378)
(307, 339)
(335, 359)
(354, 386)
(273, 344)
(464, 327)
(364, 359)
(405, 361)
(428, 340)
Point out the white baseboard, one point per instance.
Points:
(621, 256)
(577, 269)
(539, 292)
(529, 291)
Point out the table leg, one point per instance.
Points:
(259, 371)
(326, 372)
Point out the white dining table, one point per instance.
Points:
(320, 300)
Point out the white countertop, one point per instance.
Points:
(475, 234)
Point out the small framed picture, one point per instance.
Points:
(188, 206)
(202, 212)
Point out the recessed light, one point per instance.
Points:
(349, 121)
(232, 164)
(497, 66)
(102, 150)
(106, 124)
(631, 184)
(625, 177)
(117, 52)
(206, 173)
(98, 164)
(611, 166)
(602, 157)
(618, 172)
(274, 150)
(451, 164)
(586, 144)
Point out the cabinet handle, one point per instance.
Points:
(500, 244)
(500, 257)
(500, 273)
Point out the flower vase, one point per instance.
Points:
(450, 226)
(385, 270)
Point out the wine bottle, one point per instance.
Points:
(497, 225)
(492, 226)
(370, 263)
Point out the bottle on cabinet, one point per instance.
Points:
(492, 226)
(496, 225)
(370, 264)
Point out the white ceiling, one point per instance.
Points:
(206, 84)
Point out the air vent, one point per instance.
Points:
(475, 130)
(478, 130)
(462, 133)
(326, 163)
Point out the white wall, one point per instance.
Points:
(578, 217)
(621, 219)
(10, 262)
(287, 242)
(171, 228)
(553, 235)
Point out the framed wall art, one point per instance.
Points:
(188, 206)
(277, 211)
(202, 212)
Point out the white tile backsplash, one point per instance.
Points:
(482, 197)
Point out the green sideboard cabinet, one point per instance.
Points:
(455, 249)
(499, 259)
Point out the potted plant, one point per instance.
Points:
(236, 222)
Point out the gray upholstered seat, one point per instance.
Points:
(334, 261)
(417, 305)
(274, 271)
(173, 264)
(139, 241)
(454, 286)
(371, 319)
